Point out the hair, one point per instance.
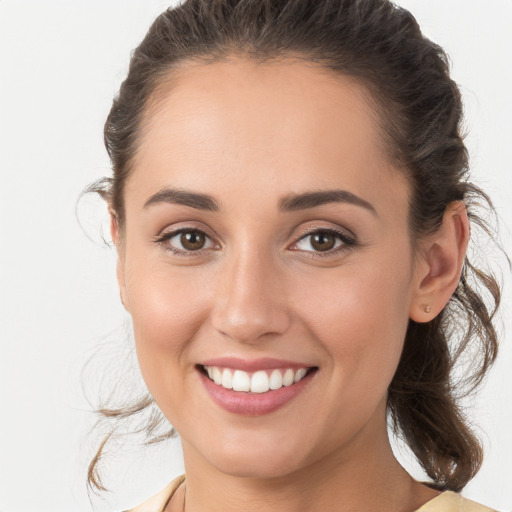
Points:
(420, 111)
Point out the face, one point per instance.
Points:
(266, 241)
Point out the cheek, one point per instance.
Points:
(168, 307)
(360, 316)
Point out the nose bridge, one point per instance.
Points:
(248, 304)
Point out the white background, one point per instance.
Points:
(60, 64)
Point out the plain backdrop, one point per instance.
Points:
(61, 62)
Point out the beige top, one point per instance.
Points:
(446, 502)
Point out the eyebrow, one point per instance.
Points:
(289, 203)
(294, 202)
(185, 197)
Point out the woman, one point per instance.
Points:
(291, 209)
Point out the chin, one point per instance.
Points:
(259, 460)
(260, 468)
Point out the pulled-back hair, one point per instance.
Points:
(420, 112)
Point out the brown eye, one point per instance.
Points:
(185, 241)
(192, 240)
(323, 241)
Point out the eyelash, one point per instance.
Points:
(346, 239)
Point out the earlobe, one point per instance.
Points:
(439, 270)
(114, 226)
(120, 273)
(120, 282)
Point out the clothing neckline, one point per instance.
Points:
(160, 501)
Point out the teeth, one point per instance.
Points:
(299, 375)
(258, 382)
(241, 381)
(288, 377)
(227, 379)
(276, 380)
(217, 376)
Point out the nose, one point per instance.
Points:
(249, 302)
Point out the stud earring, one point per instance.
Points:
(426, 308)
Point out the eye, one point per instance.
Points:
(324, 241)
(186, 240)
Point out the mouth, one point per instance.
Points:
(254, 387)
(258, 382)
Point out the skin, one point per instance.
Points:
(248, 135)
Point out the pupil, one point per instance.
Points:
(192, 240)
(323, 241)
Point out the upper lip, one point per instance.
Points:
(254, 365)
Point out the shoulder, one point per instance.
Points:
(453, 502)
(158, 502)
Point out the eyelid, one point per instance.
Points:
(309, 230)
(169, 233)
(180, 227)
(347, 238)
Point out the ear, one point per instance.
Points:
(116, 238)
(440, 263)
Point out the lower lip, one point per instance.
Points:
(254, 404)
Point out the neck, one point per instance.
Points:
(365, 476)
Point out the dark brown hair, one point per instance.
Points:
(407, 75)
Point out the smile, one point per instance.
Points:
(253, 390)
(261, 381)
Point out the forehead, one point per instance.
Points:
(273, 126)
